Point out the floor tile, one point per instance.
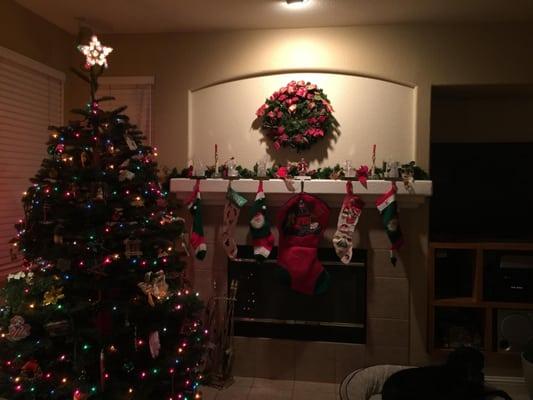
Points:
(262, 393)
(313, 396)
(316, 387)
(273, 384)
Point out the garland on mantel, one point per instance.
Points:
(295, 169)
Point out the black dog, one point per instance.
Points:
(460, 378)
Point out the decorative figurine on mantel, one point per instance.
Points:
(232, 168)
(302, 167)
(349, 170)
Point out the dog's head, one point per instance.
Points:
(468, 363)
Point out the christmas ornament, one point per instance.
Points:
(137, 201)
(351, 209)
(52, 296)
(297, 116)
(130, 142)
(197, 239)
(58, 328)
(118, 212)
(232, 209)
(301, 222)
(18, 329)
(262, 237)
(388, 208)
(154, 344)
(124, 175)
(408, 180)
(31, 370)
(58, 234)
(95, 53)
(132, 248)
(154, 285)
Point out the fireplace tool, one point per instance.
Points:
(219, 353)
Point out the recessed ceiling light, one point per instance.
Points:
(296, 4)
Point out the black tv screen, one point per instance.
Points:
(482, 191)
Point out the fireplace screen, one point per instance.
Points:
(267, 307)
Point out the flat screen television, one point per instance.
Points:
(482, 191)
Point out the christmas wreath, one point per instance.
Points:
(297, 116)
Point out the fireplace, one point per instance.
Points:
(267, 307)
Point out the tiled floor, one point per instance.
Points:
(267, 389)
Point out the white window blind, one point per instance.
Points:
(31, 99)
(135, 92)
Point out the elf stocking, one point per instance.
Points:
(352, 206)
(301, 224)
(262, 237)
(388, 208)
(232, 209)
(197, 238)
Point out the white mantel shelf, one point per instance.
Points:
(332, 191)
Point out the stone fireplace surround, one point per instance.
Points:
(388, 299)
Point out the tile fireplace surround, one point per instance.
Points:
(390, 312)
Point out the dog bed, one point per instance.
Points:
(366, 383)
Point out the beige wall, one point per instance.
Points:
(422, 55)
(32, 36)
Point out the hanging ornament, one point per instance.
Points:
(125, 175)
(154, 343)
(302, 166)
(95, 53)
(137, 201)
(52, 173)
(52, 296)
(58, 234)
(18, 329)
(133, 248)
(57, 328)
(130, 142)
(31, 370)
(84, 159)
(154, 285)
(117, 214)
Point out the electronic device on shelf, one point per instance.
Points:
(510, 275)
(514, 330)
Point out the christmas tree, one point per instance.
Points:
(100, 309)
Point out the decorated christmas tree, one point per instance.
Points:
(100, 309)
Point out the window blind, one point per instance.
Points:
(31, 99)
(133, 92)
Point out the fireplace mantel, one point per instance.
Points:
(332, 191)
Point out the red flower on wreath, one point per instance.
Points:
(297, 116)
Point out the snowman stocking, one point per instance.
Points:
(232, 209)
(388, 208)
(262, 237)
(351, 209)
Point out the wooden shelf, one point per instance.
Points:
(476, 300)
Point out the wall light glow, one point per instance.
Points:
(295, 5)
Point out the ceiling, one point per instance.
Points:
(151, 16)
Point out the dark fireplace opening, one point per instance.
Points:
(267, 307)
